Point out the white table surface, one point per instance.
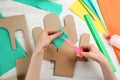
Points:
(83, 71)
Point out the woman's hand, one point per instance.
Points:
(45, 38)
(93, 53)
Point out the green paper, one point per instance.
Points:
(98, 40)
(44, 4)
(1, 15)
(93, 5)
(97, 9)
(60, 40)
(8, 56)
(89, 5)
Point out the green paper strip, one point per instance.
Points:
(94, 7)
(97, 9)
(44, 4)
(8, 56)
(98, 40)
(58, 42)
(89, 5)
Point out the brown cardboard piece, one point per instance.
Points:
(65, 52)
(13, 24)
(84, 41)
(65, 58)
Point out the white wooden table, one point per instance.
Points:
(83, 71)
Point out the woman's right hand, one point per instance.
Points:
(93, 53)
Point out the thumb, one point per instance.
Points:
(55, 35)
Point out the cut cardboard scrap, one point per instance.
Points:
(57, 42)
(8, 56)
(98, 40)
(43, 4)
(79, 8)
(65, 57)
(111, 13)
(13, 24)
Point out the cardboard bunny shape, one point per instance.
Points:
(65, 57)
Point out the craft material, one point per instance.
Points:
(1, 16)
(8, 56)
(93, 5)
(89, 5)
(113, 40)
(65, 58)
(96, 6)
(57, 42)
(111, 13)
(13, 24)
(98, 40)
(80, 9)
(43, 4)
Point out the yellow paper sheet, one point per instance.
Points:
(79, 8)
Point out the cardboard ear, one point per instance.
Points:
(13, 24)
(84, 41)
(52, 21)
(69, 23)
(36, 33)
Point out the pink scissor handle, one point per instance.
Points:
(77, 49)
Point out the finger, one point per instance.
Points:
(92, 46)
(86, 54)
(55, 35)
(85, 48)
(52, 32)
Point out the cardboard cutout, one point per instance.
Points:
(65, 57)
(13, 24)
